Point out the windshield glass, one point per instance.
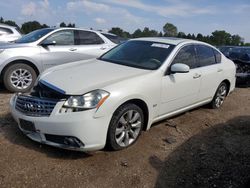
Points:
(34, 36)
(139, 54)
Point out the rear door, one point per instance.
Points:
(89, 44)
(211, 71)
(180, 90)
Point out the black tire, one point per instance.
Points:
(115, 122)
(215, 104)
(9, 71)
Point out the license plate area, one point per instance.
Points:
(27, 125)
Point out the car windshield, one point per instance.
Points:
(34, 36)
(139, 54)
(114, 38)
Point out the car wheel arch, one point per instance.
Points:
(24, 61)
(140, 103)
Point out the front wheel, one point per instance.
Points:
(19, 78)
(220, 96)
(125, 127)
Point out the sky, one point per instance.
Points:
(193, 16)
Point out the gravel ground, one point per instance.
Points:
(201, 148)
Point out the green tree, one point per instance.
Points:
(1, 20)
(149, 33)
(71, 25)
(199, 37)
(221, 38)
(137, 33)
(117, 31)
(170, 30)
(181, 35)
(31, 26)
(63, 24)
(189, 36)
(236, 40)
(126, 34)
(11, 23)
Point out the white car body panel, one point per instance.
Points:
(164, 95)
(8, 33)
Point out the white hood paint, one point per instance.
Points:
(84, 76)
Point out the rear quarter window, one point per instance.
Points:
(205, 55)
(87, 38)
(217, 56)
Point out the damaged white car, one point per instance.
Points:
(108, 101)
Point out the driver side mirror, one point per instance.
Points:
(180, 68)
(48, 43)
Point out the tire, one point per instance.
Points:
(220, 96)
(19, 77)
(125, 127)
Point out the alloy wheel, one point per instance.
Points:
(128, 128)
(221, 95)
(21, 78)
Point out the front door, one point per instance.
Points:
(64, 50)
(180, 90)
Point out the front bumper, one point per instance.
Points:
(90, 131)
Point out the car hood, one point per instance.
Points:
(8, 45)
(81, 77)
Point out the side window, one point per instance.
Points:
(87, 38)
(5, 31)
(186, 56)
(65, 37)
(217, 56)
(205, 55)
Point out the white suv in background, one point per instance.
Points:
(21, 62)
(9, 33)
(110, 100)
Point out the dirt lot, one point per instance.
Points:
(201, 148)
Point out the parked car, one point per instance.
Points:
(241, 57)
(9, 33)
(226, 50)
(22, 61)
(108, 101)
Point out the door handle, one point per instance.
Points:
(219, 70)
(72, 49)
(196, 75)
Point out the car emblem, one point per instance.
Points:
(29, 106)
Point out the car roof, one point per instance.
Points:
(77, 28)
(7, 26)
(167, 40)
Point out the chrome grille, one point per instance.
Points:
(33, 106)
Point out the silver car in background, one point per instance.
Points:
(21, 62)
(9, 33)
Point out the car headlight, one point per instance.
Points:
(93, 99)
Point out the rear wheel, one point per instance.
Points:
(220, 96)
(19, 77)
(125, 127)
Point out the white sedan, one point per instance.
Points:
(108, 101)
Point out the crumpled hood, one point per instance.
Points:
(83, 76)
